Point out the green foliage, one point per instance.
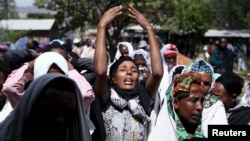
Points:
(12, 36)
(230, 14)
(7, 9)
(176, 16)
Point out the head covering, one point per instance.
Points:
(145, 55)
(200, 65)
(12, 128)
(142, 44)
(76, 41)
(171, 73)
(232, 82)
(57, 41)
(166, 48)
(127, 44)
(4, 47)
(183, 82)
(171, 49)
(116, 64)
(45, 60)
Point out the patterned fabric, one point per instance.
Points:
(209, 100)
(169, 98)
(183, 82)
(121, 124)
(132, 104)
(181, 132)
(199, 65)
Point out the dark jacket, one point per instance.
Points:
(16, 58)
(85, 66)
(222, 60)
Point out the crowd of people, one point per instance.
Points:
(67, 90)
(236, 52)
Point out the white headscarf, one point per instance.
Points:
(130, 49)
(45, 60)
(145, 55)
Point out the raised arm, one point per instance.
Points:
(100, 60)
(154, 79)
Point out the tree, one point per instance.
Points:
(230, 14)
(181, 17)
(7, 9)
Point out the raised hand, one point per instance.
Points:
(110, 15)
(139, 17)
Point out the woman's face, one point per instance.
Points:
(171, 60)
(126, 76)
(140, 61)
(206, 81)
(189, 109)
(220, 91)
(124, 51)
(142, 66)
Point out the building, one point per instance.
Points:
(42, 30)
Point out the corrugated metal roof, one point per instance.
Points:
(27, 24)
(227, 33)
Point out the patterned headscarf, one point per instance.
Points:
(183, 82)
(181, 88)
(199, 65)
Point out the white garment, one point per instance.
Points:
(214, 115)
(6, 110)
(85, 51)
(165, 127)
(45, 60)
(164, 83)
(246, 97)
(118, 53)
(155, 111)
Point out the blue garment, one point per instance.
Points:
(222, 60)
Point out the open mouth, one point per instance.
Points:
(128, 81)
